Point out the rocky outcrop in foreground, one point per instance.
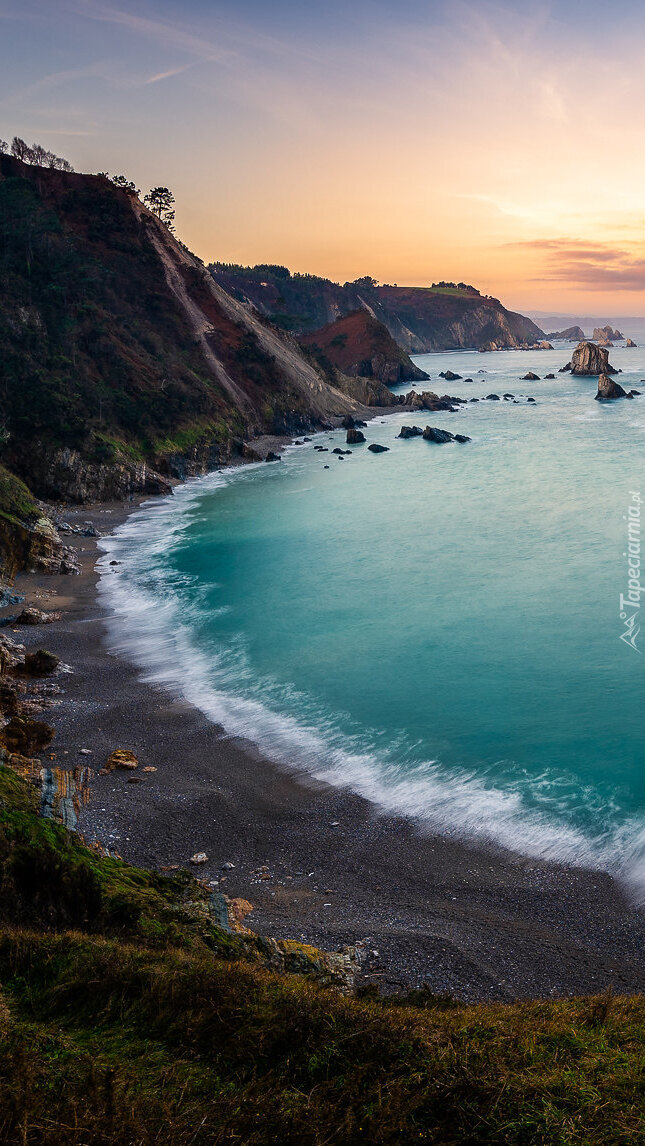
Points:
(590, 360)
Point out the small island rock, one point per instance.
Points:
(608, 390)
(590, 360)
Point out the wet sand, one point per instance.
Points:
(317, 863)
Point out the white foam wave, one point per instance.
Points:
(152, 624)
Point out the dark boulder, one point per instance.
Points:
(40, 663)
(376, 449)
(410, 432)
(355, 437)
(530, 377)
(462, 438)
(608, 390)
(272, 457)
(492, 397)
(449, 376)
(26, 736)
(550, 376)
(434, 434)
(531, 400)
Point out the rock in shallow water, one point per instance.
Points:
(608, 390)
(376, 449)
(591, 360)
(434, 434)
(355, 437)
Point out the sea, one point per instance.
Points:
(451, 631)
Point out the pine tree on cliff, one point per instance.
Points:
(162, 201)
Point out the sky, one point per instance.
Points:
(502, 144)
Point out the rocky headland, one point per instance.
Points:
(419, 319)
(571, 334)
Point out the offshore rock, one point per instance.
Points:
(376, 449)
(591, 360)
(571, 334)
(608, 390)
(355, 437)
(629, 342)
(434, 434)
(606, 334)
(410, 432)
(530, 377)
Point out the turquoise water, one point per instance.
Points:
(436, 627)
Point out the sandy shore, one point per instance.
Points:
(318, 863)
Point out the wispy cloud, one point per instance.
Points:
(167, 75)
(588, 265)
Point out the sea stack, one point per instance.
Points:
(607, 334)
(608, 390)
(591, 360)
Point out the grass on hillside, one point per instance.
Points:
(127, 1017)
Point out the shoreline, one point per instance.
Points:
(319, 864)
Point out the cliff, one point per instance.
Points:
(28, 540)
(360, 345)
(418, 318)
(124, 363)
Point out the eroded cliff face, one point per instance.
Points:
(28, 539)
(361, 346)
(124, 363)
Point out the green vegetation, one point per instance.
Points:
(17, 504)
(93, 344)
(128, 1016)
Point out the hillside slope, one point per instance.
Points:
(359, 345)
(131, 1012)
(122, 360)
(418, 318)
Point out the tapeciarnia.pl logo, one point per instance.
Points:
(631, 602)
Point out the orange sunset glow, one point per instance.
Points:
(480, 142)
